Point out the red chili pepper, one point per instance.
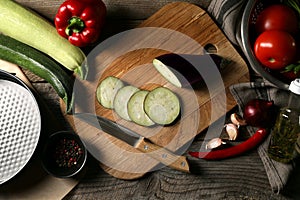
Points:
(236, 150)
(80, 21)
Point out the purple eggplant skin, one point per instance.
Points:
(181, 72)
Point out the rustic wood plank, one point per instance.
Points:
(246, 178)
(238, 178)
(117, 9)
(243, 177)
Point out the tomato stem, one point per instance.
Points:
(76, 25)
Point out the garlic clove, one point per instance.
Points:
(237, 119)
(214, 143)
(232, 131)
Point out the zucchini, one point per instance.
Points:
(121, 99)
(162, 106)
(41, 65)
(107, 90)
(136, 110)
(28, 27)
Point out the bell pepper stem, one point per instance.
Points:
(76, 25)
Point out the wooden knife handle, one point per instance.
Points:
(163, 155)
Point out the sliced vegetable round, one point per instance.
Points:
(107, 90)
(121, 100)
(162, 106)
(136, 110)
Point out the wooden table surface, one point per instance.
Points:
(243, 177)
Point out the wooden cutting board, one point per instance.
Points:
(179, 28)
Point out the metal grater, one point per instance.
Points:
(20, 126)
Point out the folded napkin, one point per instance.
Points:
(278, 173)
(228, 14)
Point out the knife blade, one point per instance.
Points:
(137, 141)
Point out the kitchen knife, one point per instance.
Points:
(137, 141)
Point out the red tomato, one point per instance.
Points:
(275, 49)
(277, 17)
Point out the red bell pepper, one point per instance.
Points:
(80, 21)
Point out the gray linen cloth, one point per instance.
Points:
(228, 15)
(278, 173)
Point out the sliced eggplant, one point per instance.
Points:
(179, 71)
(107, 90)
(136, 110)
(162, 106)
(121, 100)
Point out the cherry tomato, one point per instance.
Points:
(275, 49)
(277, 17)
